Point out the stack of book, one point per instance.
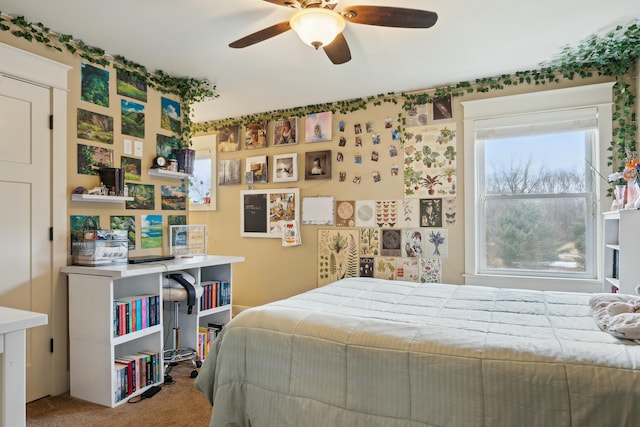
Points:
(113, 179)
(134, 313)
(136, 371)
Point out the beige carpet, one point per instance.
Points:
(177, 404)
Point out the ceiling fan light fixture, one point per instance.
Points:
(317, 27)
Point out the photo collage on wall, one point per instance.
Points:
(98, 128)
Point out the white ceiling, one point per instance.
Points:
(472, 38)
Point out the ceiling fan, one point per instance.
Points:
(318, 25)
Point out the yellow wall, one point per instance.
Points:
(271, 271)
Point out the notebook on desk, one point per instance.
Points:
(150, 258)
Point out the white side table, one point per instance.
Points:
(13, 392)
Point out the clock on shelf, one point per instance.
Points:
(160, 162)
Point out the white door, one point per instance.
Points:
(25, 217)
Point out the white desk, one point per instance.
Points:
(13, 392)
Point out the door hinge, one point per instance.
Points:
(51, 122)
(51, 346)
(51, 234)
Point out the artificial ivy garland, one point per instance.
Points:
(188, 90)
(614, 55)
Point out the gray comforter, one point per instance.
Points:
(369, 352)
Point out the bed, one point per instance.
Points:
(370, 352)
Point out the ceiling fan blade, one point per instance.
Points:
(338, 50)
(261, 35)
(386, 16)
(287, 3)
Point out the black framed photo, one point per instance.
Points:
(317, 165)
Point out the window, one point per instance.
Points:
(532, 194)
(202, 185)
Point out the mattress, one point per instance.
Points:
(371, 352)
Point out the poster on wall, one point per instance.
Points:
(337, 254)
(430, 161)
(94, 126)
(150, 231)
(128, 223)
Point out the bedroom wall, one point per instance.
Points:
(273, 272)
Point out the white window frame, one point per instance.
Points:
(596, 95)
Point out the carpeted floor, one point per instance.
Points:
(177, 404)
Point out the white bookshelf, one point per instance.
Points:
(621, 251)
(93, 348)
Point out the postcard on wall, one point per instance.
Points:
(318, 127)
(131, 85)
(170, 116)
(150, 231)
(128, 223)
(365, 213)
(95, 85)
(132, 118)
(317, 210)
(94, 126)
(91, 159)
(143, 196)
(345, 213)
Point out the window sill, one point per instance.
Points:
(534, 283)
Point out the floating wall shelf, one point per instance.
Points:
(168, 174)
(98, 198)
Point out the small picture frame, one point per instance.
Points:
(318, 165)
(257, 167)
(188, 240)
(318, 127)
(285, 167)
(255, 135)
(285, 131)
(442, 111)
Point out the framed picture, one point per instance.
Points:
(285, 167)
(255, 135)
(188, 240)
(318, 165)
(228, 138)
(318, 127)
(285, 131)
(257, 167)
(442, 111)
(263, 212)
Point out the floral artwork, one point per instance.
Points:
(430, 161)
(369, 242)
(408, 213)
(437, 244)
(337, 254)
(385, 268)
(430, 270)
